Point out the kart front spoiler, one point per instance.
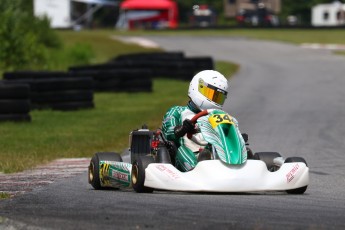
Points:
(215, 176)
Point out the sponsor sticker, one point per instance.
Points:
(168, 172)
(291, 175)
(120, 176)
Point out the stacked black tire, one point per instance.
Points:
(109, 79)
(156, 64)
(166, 64)
(55, 90)
(14, 102)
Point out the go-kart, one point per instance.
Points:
(150, 163)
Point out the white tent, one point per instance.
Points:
(60, 11)
(332, 14)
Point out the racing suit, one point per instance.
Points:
(188, 149)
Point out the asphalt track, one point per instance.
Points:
(287, 98)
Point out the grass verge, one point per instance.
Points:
(296, 36)
(55, 134)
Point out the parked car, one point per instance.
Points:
(258, 17)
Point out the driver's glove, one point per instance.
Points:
(186, 127)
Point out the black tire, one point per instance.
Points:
(61, 96)
(267, 157)
(300, 190)
(14, 106)
(295, 159)
(62, 84)
(33, 74)
(201, 63)
(163, 155)
(94, 69)
(168, 56)
(139, 165)
(250, 154)
(14, 91)
(123, 74)
(93, 175)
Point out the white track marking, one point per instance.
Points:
(323, 46)
(137, 40)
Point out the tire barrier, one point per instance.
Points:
(55, 90)
(201, 63)
(14, 102)
(106, 78)
(170, 64)
(182, 70)
(167, 56)
(161, 64)
(74, 89)
(34, 75)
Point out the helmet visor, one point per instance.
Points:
(212, 93)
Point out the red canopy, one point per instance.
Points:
(153, 5)
(147, 4)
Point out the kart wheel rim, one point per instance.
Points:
(91, 172)
(134, 174)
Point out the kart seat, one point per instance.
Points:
(141, 142)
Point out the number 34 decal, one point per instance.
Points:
(217, 119)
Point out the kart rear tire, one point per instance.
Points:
(267, 157)
(300, 190)
(93, 172)
(139, 165)
(163, 155)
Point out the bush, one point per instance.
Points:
(80, 54)
(24, 39)
(45, 35)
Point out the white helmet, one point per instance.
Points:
(208, 90)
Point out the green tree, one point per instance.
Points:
(24, 39)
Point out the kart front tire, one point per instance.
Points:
(267, 157)
(93, 175)
(139, 165)
(300, 190)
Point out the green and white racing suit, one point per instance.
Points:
(187, 149)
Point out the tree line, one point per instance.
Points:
(24, 39)
(27, 42)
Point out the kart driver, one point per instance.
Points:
(207, 90)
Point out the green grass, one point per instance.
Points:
(98, 44)
(102, 43)
(56, 134)
(104, 46)
(53, 134)
(297, 36)
(4, 195)
(340, 52)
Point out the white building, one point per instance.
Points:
(60, 11)
(332, 14)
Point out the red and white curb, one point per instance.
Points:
(323, 46)
(19, 183)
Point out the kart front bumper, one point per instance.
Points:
(215, 176)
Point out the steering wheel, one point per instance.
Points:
(195, 118)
